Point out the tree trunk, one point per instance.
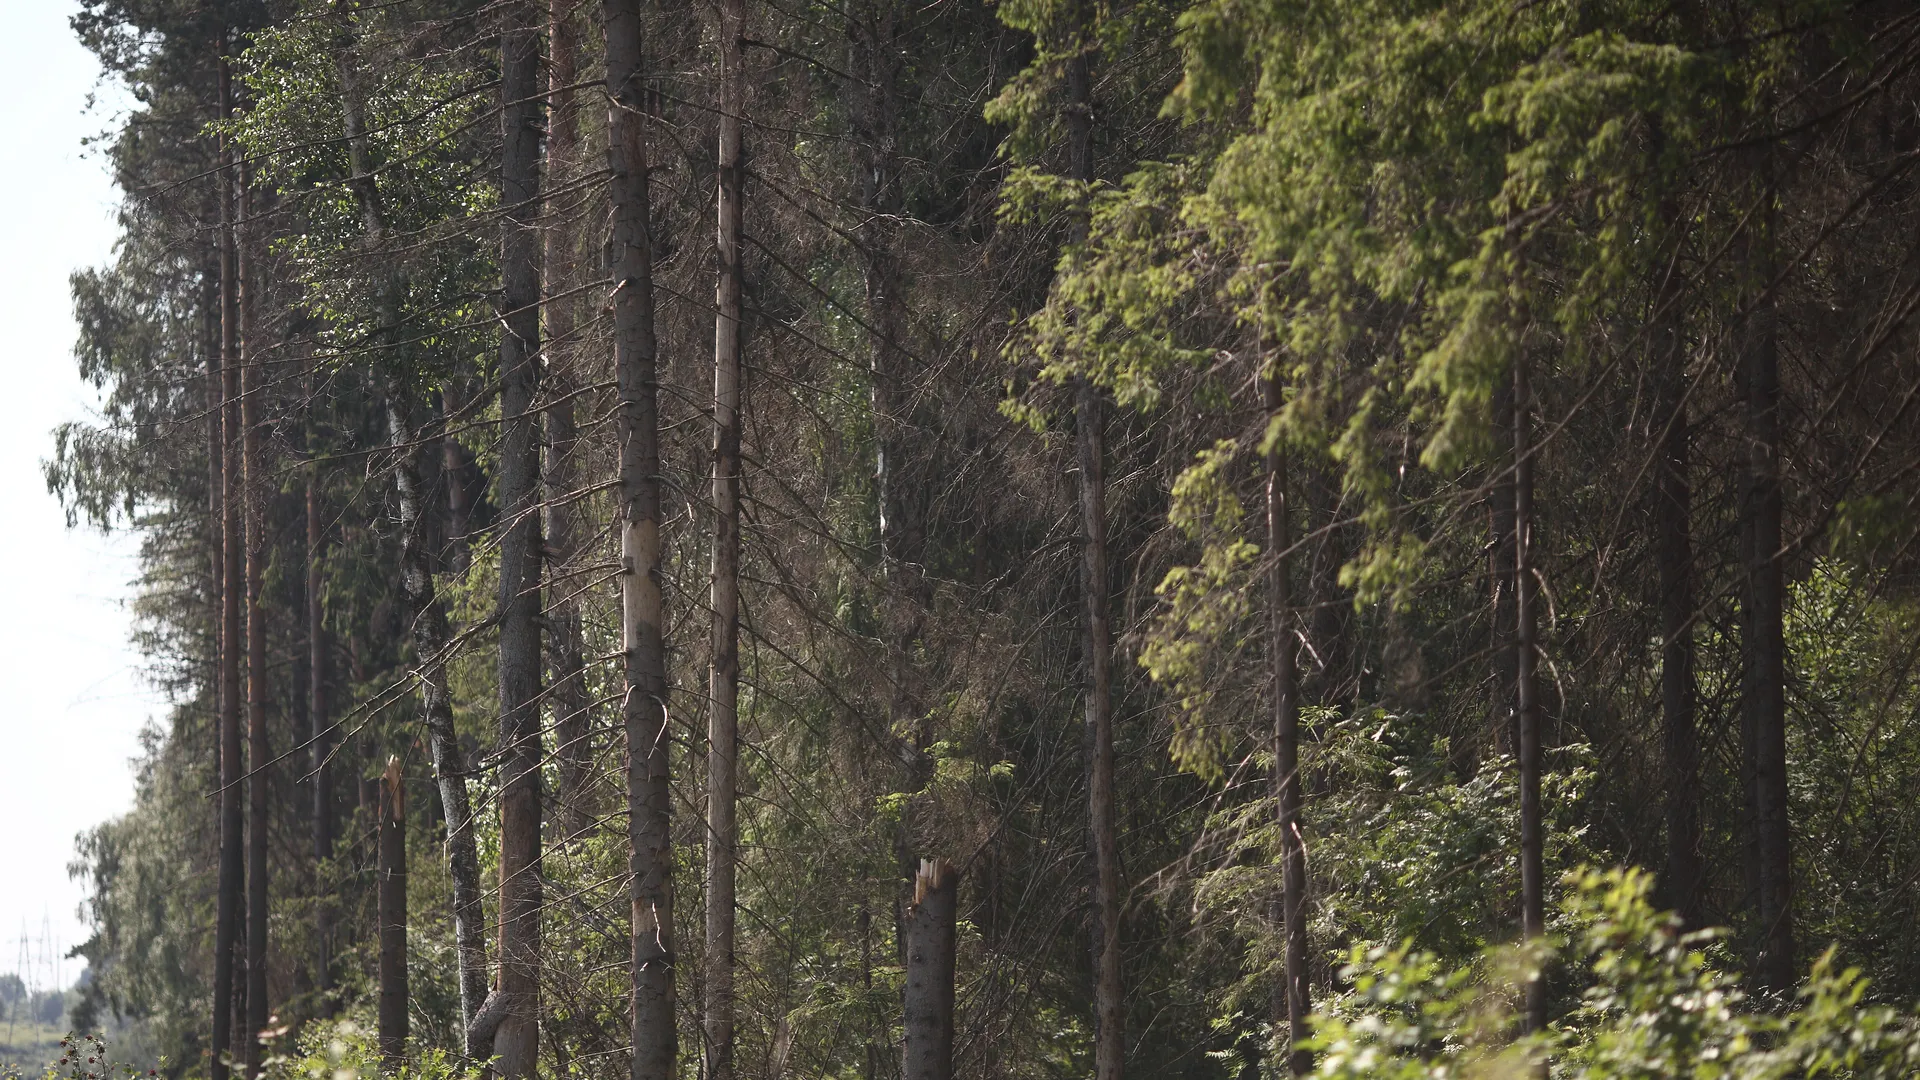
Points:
(566, 644)
(1763, 639)
(1527, 694)
(642, 610)
(232, 868)
(1109, 1045)
(1504, 669)
(431, 645)
(391, 873)
(431, 638)
(1286, 747)
(724, 591)
(319, 734)
(928, 999)
(516, 1040)
(1673, 554)
(259, 755)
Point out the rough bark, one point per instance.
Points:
(1763, 641)
(642, 611)
(566, 648)
(928, 998)
(232, 867)
(1533, 922)
(390, 873)
(1295, 1001)
(723, 688)
(516, 1042)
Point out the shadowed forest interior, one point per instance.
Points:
(1159, 538)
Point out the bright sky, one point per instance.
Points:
(74, 701)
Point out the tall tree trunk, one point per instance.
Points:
(1533, 922)
(928, 998)
(724, 587)
(1109, 1038)
(259, 755)
(642, 611)
(516, 1040)
(1763, 638)
(1504, 668)
(566, 645)
(320, 731)
(1673, 554)
(1286, 745)
(431, 645)
(431, 637)
(232, 773)
(391, 874)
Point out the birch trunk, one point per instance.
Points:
(723, 688)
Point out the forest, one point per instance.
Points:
(1010, 539)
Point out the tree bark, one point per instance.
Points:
(724, 585)
(232, 866)
(1763, 640)
(1286, 747)
(928, 999)
(1109, 1045)
(391, 873)
(259, 755)
(516, 1042)
(1673, 555)
(431, 644)
(320, 731)
(566, 642)
(431, 636)
(642, 610)
(1527, 694)
(1505, 665)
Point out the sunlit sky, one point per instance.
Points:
(72, 701)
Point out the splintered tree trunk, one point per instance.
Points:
(391, 873)
(928, 998)
(431, 644)
(568, 652)
(232, 868)
(642, 611)
(1533, 923)
(1286, 749)
(516, 1040)
(724, 593)
(1762, 634)
(259, 756)
(1673, 554)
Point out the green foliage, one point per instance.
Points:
(1652, 1004)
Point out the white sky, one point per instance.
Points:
(72, 701)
